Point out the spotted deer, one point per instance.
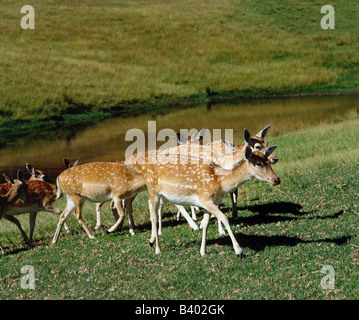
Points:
(196, 138)
(203, 185)
(98, 182)
(228, 157)
(257, 143)
(221, 147)
(99, 205)
(17, 192)
(40, 196)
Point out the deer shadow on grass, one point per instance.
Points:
(260, 242)
(277, 212)
(168, 220)
(273, 213)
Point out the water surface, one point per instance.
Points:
(105, 141)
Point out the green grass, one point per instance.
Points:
(287, 233)
(86, 60)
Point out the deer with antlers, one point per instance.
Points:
(17, 192)
(203, 185)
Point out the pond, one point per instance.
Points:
(105, 140)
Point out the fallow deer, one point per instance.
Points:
(40, 196)
(257, 143)
(17, 192)
(203, 185)
(98, 182)
(98, 225)
(196, 138)
(228, 157)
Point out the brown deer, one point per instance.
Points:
(98, 182)
(257, 143)
(40, 196)
(196, 138)
(99, 205)
(17, 192)
(203, 185)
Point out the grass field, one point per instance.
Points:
(86, 60)
(288, 234)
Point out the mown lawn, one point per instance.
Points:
(288, 234)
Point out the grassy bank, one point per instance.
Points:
(288, 233)
(90, 59)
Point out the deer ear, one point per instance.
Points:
(66, 163)
(269, 151)
(263, 132)
(35, 173)
(29, 167)
(248, 153)
(76, 162)
(202, 133)
(181, 139)
(20, 176)
(228, 145)
(247, 136)
(8, 179)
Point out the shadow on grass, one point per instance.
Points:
(268, 213)
(264, 213)
(259, 243)
(168, 220)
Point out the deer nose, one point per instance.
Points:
(274, 160)
(277, 181)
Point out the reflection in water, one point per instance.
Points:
(105, 141)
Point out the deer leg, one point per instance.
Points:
(114, 211)
(98, 215)
(78, 214)
(234, 198)
(50, 208)
(131, 224)
(205, 220)
(193, 211)
(162, 202)
(63, 216)
(154, 206)
(212, 208)
(119, 222)
(187, 217)
(2, 249)
(220, 228)
(18, 224)
(32, 224)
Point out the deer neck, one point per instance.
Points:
(232, 179)
(232, 160)
(7, 200)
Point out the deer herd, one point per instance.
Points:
(190, 174)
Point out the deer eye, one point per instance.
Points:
(259, 164)
(257, 146)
